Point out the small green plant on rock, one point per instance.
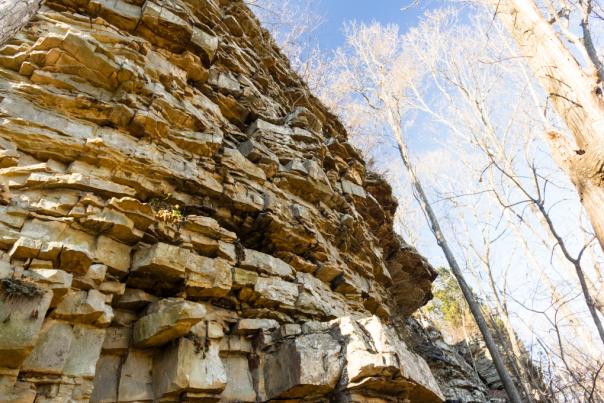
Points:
(165, 211)
(170, 215)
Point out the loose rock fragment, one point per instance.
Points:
(166, 320)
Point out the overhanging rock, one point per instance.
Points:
(181, 220)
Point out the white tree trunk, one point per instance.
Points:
(14, 15)
(508, 383)
(573, 94)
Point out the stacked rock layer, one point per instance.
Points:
(181, 220)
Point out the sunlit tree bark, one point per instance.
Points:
(575, 95)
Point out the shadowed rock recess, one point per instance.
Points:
(181, 220)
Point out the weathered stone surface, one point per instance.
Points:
(374, 351)
(134, 299)
(188, 366)
(240, 387)
(166, 320)
(210, 227)
(249, 326)
(113, 223)
(65, 349)
(76, 181)
(208, 278)
(275, 292)
(205, 42)
(167, 264)
(92, 279)
(84, 352)
(162, 260)
(260, 155)
(113, 288)
(362, 355)
(58, 281)
(266, 264)
(236, 344)
(114, 254)
(455, 367)
(119, 13)
(135, 377)
(244, 278)
(353, 189)
(81, 306)
(315, 298)
(22, 313)
(313, 363)
(21, 393)
(73, 250)
(117, 340)
(52, 349)
(106, 379)
(141, 214)
(235, 161)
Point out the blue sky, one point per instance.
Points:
(405, 13)
(337, 12)
(423, 139)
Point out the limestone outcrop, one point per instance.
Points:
(467, 378)
(181, 220)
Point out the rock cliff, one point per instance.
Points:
(181, 220)
(464, 371)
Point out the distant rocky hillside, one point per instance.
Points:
(464, 371)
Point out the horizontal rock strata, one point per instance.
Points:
(181, 220)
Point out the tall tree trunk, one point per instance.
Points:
(508, 384)
(517, 356)
(14, 15)
(574, 95)
(513, 360)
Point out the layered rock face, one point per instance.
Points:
(464, 371)
(181, 220)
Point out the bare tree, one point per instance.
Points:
(455, 71)
(374, 71)
(482, 250)
(467, 82)
(573, 91)
(509, 386)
